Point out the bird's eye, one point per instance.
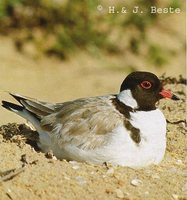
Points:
(146, 84)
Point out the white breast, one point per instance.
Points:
(151, 149)
(122, 150)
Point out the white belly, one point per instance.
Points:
(121, 149)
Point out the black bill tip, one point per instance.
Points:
(175, 98)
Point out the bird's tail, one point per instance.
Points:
(30, 109)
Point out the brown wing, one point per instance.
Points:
(86, 123)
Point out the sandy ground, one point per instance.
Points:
(56, 81)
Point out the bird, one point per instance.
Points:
(125, 129)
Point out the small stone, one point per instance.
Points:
(54, 158)
(50, 155)
(110, 171)
(75, 164)
(182, 125)
(67, 178)
(119, 193)
(155, 176)
(81, 180)
(146, 193)
(136, 182)
(9, 193)
(175, 196)
(179, 162)
(9, 190)
(32, 149)
(75, 167)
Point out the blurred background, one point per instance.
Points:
(57, 50)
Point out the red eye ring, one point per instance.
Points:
(146, 84)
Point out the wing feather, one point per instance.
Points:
(84, 122)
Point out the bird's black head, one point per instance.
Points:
(146, 89)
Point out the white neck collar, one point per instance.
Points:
(126, 97)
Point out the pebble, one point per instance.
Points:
(54, 158)
(9, 190)
(32, 149)
(136, 182)
(75, 165)
(67, 178)
(73, 162)
(182, 125)
(179, 162)
(119, 193)
(9, 193)
(175, 196)
(50, 155)
(155, 176)
(80, 180)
